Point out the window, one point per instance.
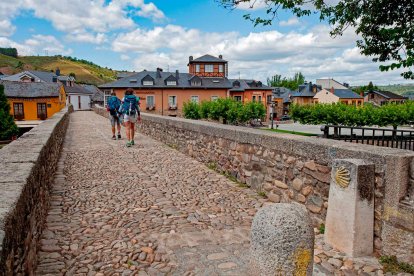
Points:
(197, 68)
(269, 98)
(238, 98)
(213, 98)
(41, 111)
(150, 101)
(107, 95)
(171, 82)
(208, 68)
(172, 101)
(18, 111)
(359, 103)
(195, 83)
(194, 99)
(260, 99)
(254, 98)
(148, 82)
(221, 68)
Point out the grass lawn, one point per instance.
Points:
(291, 132)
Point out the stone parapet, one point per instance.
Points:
(27, 166)
(291, 168)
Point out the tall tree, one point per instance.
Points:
(7, 126)
(386, 26)
(291, 83)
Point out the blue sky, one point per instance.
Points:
(141, 34)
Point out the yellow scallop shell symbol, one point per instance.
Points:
(342, 177)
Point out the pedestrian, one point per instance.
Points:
(113, 106)
(131, 113)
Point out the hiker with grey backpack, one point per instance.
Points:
(131, 113)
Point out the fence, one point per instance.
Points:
(383, 137)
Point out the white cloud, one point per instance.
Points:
(256, 55)
(98, 38)
(253, 5)
(290, 22)
(125, 57)
(37, 45)
(87, 19)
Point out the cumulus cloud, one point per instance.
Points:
(256, 55)
(290, 22)
(98, 38)
(253, 5)
(81, 17)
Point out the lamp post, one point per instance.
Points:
(272, 108)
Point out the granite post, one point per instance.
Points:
(350, 216)
(282, 241)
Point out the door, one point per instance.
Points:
(42, 111)
(18, 111)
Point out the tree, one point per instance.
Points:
(362, 89)
(7, 126)
(12, 52)
(291, 83)
(386, 26)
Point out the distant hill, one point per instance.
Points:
(85, 72)
(401, 89)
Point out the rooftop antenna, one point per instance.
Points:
(168, 68)
(239, 75)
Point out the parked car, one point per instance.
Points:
(285, 118)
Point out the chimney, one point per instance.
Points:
(159, 70)
(346, 85)
(314, 89)
(190, 59)
(220, 56)
(57, 72)
(332, 90)
(177, 74)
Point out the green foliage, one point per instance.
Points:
(226, 110)
(11, 52)
(391, 264)
(349, 115)
(291, 83)
(191, 110)
(7, 126)
(322, 228)
(365, 88)
(384, 26)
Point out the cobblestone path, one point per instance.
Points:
(150, 210)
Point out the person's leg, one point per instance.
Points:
(119, 128)
(112, 119)
(132, 131)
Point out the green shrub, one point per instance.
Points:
(191, 110)
(7, 126)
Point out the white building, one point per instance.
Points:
(79, 97)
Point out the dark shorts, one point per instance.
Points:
(114, 120)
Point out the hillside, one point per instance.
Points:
(401, 89)
(85, 72)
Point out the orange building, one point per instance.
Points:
(34, 100)
(250, 90)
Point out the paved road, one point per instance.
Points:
(147, 210)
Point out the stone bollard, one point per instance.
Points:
(350, 217)
(282, 241)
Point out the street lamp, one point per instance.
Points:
(272, 110)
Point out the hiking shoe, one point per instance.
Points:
(128, 144)
(119, 136)
(113, 137)
(132, 142)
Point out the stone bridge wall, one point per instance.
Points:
(27, 167)
(296, 168)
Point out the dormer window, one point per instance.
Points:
(195, 81)
(236, 84)
(133, 80)
(147, 80)
(209, 68)
(171, 82)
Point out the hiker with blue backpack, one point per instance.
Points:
(131, 113)
(113, 106)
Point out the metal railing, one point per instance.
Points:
(383, 137)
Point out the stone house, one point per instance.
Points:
(383, 97)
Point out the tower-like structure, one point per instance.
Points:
(208, 66)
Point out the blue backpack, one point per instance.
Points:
(130, 105)
(113, 104)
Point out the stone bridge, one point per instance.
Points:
(177, 205)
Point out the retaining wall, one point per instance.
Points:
(297, 168)
(27, 166)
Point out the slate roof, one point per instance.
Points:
(283, 93)
(346, 94)
(305, 90)
(14, 89)
(77, 89)
(183, 81)
(247, 85)
(121, 75)
(98, 95)
(388, 94)
(39, 76)
(208, 58)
